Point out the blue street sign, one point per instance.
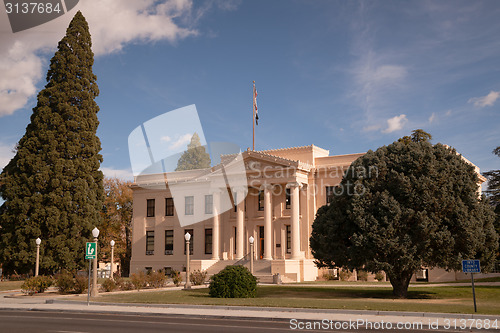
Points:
(471, 266)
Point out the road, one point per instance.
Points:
(68, 322)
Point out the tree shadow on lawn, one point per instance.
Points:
(325, 293)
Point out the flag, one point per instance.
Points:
(255, 105)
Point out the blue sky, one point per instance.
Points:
(347, 76)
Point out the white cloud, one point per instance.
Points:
(395, 123)
(113, 24)
(181, 142)
(371, 128)
(125, 174)
(166, 138)
(448, 113)
(386, 73)
(6, 154)
(487, 100)
(432, 118)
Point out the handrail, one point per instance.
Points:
(240, 262)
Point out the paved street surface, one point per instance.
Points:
(68, 322)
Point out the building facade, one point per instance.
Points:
(271, 195)
(275, 204)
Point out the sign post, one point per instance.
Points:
(472, 266)
(90, 251)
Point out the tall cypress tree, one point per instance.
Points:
(195, 157)
(52, 187)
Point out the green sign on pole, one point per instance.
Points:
(90, 250)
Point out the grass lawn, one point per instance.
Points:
(426, 299)
(10, 285)
(387, 283)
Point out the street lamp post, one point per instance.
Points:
(112, 256)
(187, 236)
(94, 292)
(251, 239)
(38, 241)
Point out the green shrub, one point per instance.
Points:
(329, 276)
(233, 282)
(362, 275)
(81, 283)
(176, 277)
(127, 285)
(139, 280)
(118, 281)
(198, 277)
(15, 277)
(64, 282)
(108, 285)
(36, 284)
(379, 276)
(345, 275)
(156, 279)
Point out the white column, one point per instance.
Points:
(240, 221)
(216, 226)
(267, 223)
(294, 189)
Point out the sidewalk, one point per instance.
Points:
(292, 315)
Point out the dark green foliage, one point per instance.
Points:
(156, 279)
(64, 282)
(176, 278)
(36, 284)
(233, 282)
(493, 193)
(80, 284)
(362, 275)
(109, 285)
(493, 176)
(198, 277)
(127, 285)
(345, 275)
(53, 187)
(417, 135)
(139, 280)
(379, 276)
(195, 157)
(417, 205)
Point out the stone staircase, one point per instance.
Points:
(261, 268)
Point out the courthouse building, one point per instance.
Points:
(272, 196)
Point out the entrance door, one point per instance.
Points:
(261, 241)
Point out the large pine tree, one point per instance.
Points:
(52, 187)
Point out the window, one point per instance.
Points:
(151, 208)
(288, 239)
(150, 242)
(288, 199)
(148, 270)
(169, 207)
(261, 200)
(169, 242)
(235, 200)
(208, 241)
(168, 271)
(191, 241)
(329, 194)
(209, 204)
(189, 208)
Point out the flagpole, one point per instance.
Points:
(253, 119)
